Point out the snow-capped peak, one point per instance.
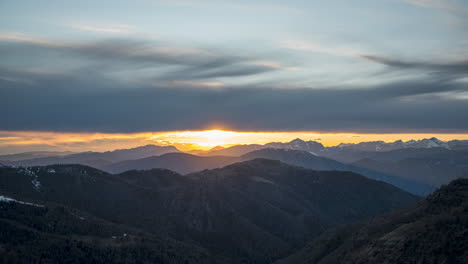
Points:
(399, 144)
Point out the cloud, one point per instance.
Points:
(274, 65)
(451, 69)
(230, 5)
(18, 37)
(187, 84)
(136, 86)
(221, 71)
(461, 66)
(396, 107)
(152, 58)
(114, 29)
(320, 48)
(449, 5)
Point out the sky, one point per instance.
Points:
(372, 67)
(25, 141)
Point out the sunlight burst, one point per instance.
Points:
(212, 138)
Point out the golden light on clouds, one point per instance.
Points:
(14, 141)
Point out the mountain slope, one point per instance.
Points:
(33, 155)
(235, 151)
(433, 166)
(297, 158)
(302, 202)
(179, 162)
(296, 144)
(310, 161)
(458, 144)
(432, 232)
(252, 212)
(43, 234)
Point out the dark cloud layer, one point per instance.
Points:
(43, 103)
(95, 98)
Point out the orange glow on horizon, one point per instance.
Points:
(22, 141)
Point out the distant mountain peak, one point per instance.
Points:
(297, 140)
(148, 147)
(217, 148)
(297, 144)
(276, 150)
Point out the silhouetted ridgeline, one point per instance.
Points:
(251, 212)
(415, 166)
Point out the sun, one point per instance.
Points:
(202, 140)
(209, 138)
(216, 134)
(212, 138)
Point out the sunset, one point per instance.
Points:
(23, 141)
(234, 131)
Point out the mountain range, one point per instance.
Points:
(236, 150)
(34, 155)
(416, 166)
(93, 159)
(399, 144)
(435, 166)
(318, 149)
(255, 211)
(296, 144)
(186, 163)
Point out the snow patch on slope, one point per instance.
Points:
(11, 200)
(260, 179)
(34, 178)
